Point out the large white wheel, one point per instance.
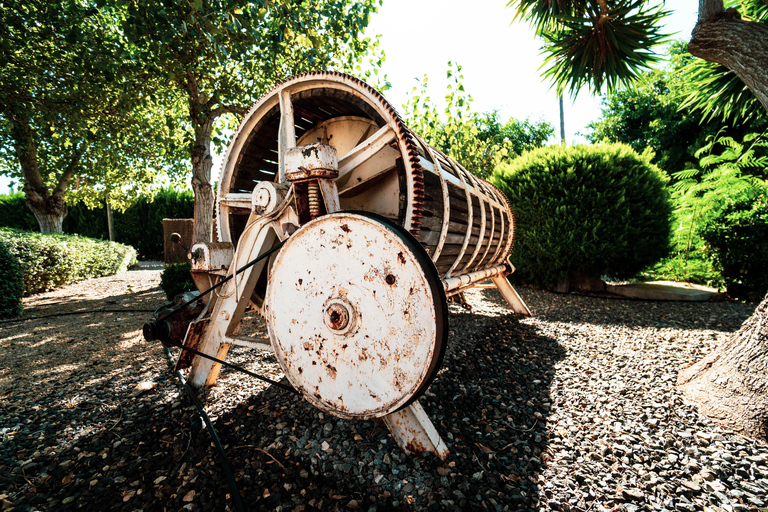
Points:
(356, 314)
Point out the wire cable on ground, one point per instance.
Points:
(67, 313)
(233, 366)
(236, 499)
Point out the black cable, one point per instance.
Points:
(220, 283)
(17, 320)
(233, 366)
(214, 437)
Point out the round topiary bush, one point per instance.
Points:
(11, 283)
(584, 212)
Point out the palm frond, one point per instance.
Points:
(594, 49)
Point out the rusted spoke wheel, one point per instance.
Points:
(356, 314)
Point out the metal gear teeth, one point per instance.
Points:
(404, 133)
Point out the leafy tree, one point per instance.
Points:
(648, 113)
(479, 142)
(732, 382)
(68, 108)
(221, 55)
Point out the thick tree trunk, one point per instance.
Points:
(48, 207)
(731, 383)
(202, 162)
(742, 46)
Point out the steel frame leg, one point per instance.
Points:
(228, 310)
(414, 432)
(513, 299)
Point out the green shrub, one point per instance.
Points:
(51, 261)
(140, 225)
(176, 279)
(737, 235)
(15, 214)
(11, 283)
(585, 211)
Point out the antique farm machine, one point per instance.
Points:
(346, 232)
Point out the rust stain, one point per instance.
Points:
(414, 447)
(345, 228)
(401, 258)
(390, 279)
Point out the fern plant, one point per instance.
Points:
(728, 169)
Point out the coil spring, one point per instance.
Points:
(315, 201)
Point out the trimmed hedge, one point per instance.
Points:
(737, 235)
(11, 283)
(584, 212)
(51, 261)
(140, 225)
(177, 278)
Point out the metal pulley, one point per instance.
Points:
(368, 323)
(378, 229)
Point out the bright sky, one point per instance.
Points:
(500, 60)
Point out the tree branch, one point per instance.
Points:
(63, 183)
(228, 109)
(739, 45)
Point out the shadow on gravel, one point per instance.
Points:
(112, 450)
(725, 316)
(490, 403)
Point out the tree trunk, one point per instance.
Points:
(731, 383)
(110, 221)
(562, 122)
(48, 207)
(742, 46)
(202, 162)
(48, 210)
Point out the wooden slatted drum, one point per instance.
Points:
(464, 223)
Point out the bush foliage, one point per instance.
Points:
(737, 236)
(731, 173)
(11, 283)
(140, 225)
(176, 279)
(51, 261)
(584, 212)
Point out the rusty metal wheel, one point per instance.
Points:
(356, 314)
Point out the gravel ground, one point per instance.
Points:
(574, 409)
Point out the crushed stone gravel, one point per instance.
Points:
(574, 409)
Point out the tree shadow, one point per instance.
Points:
(724, 316)
(490, 403)
(92, 443)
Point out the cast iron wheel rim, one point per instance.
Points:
(392, 338)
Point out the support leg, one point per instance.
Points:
(414, 432)
(509, 293)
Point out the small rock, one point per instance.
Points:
(143, 387)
